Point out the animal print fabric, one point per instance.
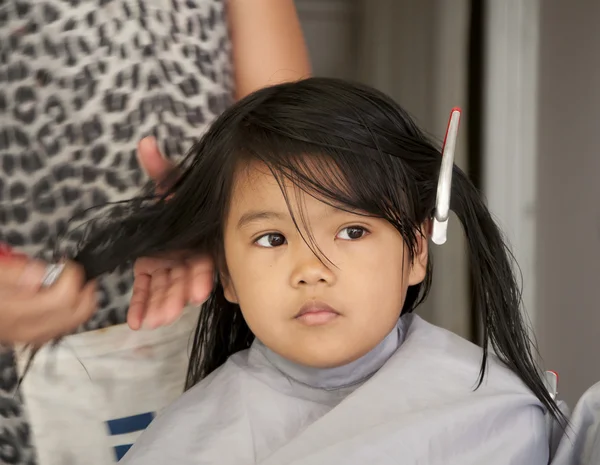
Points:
(81, 82)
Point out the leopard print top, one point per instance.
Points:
(81, 82)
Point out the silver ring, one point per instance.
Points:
(53, 272)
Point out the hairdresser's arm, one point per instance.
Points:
(268, 44)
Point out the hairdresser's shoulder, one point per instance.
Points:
(454, 360)
(180, 432)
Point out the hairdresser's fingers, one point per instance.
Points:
(152, 161)
(201, 280)
(163, 286)
(139, 300)
(143, 270)
(21, 274)
(159, 286)
(37, 318)
(66, 291)
(88, 304)
(175, 298)
(26, 316)
(53, 302)
(55, 326)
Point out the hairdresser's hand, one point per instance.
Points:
(32, 315)
(164, 285)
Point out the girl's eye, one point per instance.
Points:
(352, 233)
(271, 240)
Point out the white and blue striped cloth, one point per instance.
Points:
(91, 397)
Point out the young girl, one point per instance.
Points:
(316, 199)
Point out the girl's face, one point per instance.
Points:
(318, 313)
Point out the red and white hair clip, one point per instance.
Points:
(441, 214)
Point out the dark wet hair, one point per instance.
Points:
(374, 159)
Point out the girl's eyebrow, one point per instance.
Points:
(256, 215)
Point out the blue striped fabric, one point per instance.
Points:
(125, 425)
(120, 451)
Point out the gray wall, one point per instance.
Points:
(568, 246)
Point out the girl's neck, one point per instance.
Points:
(343, 376)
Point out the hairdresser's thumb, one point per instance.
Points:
(152, 161)
(21, 274)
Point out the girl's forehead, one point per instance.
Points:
(255, 187)
(303, 173)
(253, 179)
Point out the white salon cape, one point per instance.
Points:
(409, 401)
(580, 444)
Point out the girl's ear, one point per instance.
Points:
(228, 288)
(418, 268)
(225, 279)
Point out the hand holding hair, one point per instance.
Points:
(164, 285)
(34, 313)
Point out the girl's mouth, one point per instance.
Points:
(316, 313)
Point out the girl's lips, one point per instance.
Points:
(316, 313)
